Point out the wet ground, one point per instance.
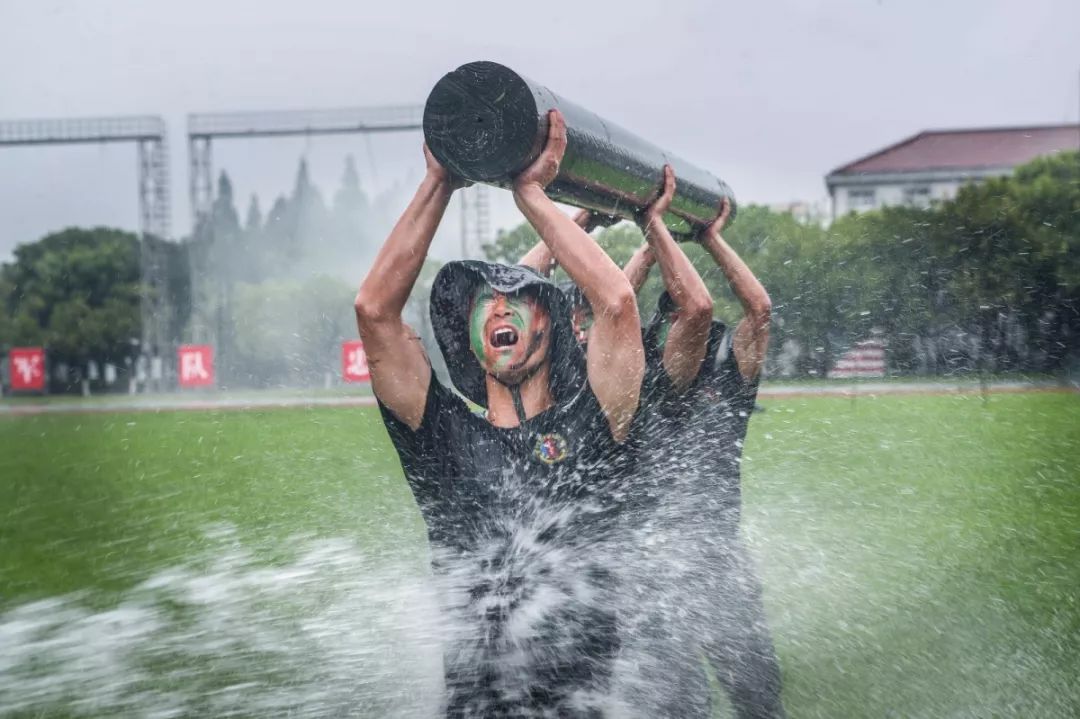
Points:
(272, 399)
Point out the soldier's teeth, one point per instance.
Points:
(503, 337)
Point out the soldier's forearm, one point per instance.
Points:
(749, 291)
(637, 269)
(539, 258)
(681, 280)
(599, 278)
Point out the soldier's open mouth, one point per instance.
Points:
(504, 337)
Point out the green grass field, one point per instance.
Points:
(921, 555)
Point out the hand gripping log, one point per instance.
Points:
(486, 123)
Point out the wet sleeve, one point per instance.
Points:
(658, 391)
(424, 452)
(656, 388)
(586, 415)
(742, 392)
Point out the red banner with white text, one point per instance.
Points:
(195, 365)
(27, 368)
(354, 366)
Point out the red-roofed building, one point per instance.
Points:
(934, 164)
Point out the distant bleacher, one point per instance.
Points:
(864, 359)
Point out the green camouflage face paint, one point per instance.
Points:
(477, 317)
(513, 311)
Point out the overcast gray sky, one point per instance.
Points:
(768, 95)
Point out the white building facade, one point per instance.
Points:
(933, 165)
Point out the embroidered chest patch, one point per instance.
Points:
(550, 448)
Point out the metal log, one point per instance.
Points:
(486, 123)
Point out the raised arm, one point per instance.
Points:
(751, 338)
(689, 334)
(614, 358)
(400, 373)
(540, 258)
(637, 268)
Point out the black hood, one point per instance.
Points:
(451, 300)
(574, 296)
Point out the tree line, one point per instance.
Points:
(269, 290)
(987, 281)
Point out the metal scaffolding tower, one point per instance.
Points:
(151, 138)
(204, 128)
(475, 220)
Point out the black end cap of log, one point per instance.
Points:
(481, 122)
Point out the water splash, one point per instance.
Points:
(333, 632)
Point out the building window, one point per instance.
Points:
(861, 199)
(917, 196)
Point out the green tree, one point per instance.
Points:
(1045, 198)
(297, 230)
(1015, 244)
(904, 281)
(511, 245)
(253, 223)
(77, 292)
(350, 212)
(289, 332)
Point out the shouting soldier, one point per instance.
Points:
(518, 499)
